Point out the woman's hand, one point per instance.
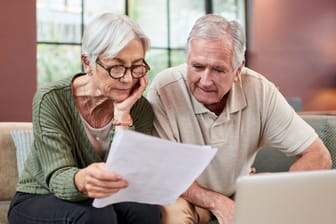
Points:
(122, 109)
(97, 182)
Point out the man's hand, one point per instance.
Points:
(223, 210)
(220, 205)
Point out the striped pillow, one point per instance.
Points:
(23, 139)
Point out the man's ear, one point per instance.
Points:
(238, 70)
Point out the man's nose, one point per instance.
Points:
(206, 78)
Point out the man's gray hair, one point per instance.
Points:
(107, 34)
(217, 27)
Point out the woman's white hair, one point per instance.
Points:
(216, 27)
(107, 34)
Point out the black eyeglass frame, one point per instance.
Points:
(132, 67)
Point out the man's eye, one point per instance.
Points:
(198, 67)
(219, 69)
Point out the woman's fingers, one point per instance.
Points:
(95, 181)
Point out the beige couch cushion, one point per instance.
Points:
(8, 164)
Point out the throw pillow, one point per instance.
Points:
(23, 139)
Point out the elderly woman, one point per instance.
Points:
(74, 121)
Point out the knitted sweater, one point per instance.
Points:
(61, 146)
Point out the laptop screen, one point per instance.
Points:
(287, 198)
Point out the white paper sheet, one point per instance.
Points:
(158, 171)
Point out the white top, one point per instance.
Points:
(100, 138)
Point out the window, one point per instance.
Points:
(60, 25)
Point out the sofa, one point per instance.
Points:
(10, 160)
(272, 160)
(16, 138)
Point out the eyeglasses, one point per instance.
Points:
(119, 71)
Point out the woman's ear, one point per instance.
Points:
(238, 71)
(86, 63)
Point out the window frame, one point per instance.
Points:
(208, 8)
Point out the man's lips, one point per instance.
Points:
(207, 90)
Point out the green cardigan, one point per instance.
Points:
(61, 146)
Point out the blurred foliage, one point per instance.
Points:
(158, 61)
(55, 62)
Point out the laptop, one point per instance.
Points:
(287, 198)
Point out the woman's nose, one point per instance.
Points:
(128, 76)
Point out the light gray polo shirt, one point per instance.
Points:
(256, 115)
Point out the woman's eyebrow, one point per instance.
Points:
(123, 61)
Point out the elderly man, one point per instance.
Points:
(214, 100)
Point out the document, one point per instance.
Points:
(158, 171)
